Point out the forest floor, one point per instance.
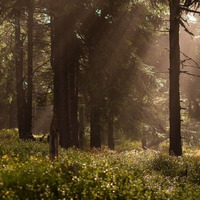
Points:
(27, 173)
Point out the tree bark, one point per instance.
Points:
(95, 123)
(174, 100)
(53, 139)
(73, 96)
(144, 141)
(81, 126)
(111, 143)
(54, 130)
(12, 114)
(19, 80)
(66, 57)
(95, 100)
(63, 33)
(29, 100)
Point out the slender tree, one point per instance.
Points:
(73, 98)
(174, 99)
(19, 78)
(111, 143)
(61, 107)
(81, 126)
(29, 101)
(54, 131)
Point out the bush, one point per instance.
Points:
(27, 173)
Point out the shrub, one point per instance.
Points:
(27, 173)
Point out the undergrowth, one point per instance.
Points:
(27, 173)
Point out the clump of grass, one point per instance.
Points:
(8, 135)
(128, 145)
(11, 145)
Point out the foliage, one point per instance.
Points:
(27, 173)
(126, 84)
(11, 145)
(114, 40)
(127, 145)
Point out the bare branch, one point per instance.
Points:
(189, 58)
(190, 74)
(162, 31)
(189, 10)
(184, 26)
(40, 66)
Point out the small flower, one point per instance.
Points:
(4, 157)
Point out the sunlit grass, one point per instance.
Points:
(27, 173)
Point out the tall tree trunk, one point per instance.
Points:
(53, 139)
(30, 72)
(174, 100)
(95, 101)
(65, 63)
(54, 131)
(19, 80)
(12, 114)
(81, 126)
(73, 98)
(61, 73)
(95, 123)
(111, 143)
(144, 140)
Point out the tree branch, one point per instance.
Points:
(190, 74)
(40, 66)
(189, 58)
(189, 10)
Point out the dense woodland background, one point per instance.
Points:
(100, 70)
(99, 99)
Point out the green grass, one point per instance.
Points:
(27, 173)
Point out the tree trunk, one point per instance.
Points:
(30, 72)
(73, 101)
(19, 80)
(111, 144)
(81, 126)
(174, 100)
(95, 100)
(12, 114)
(144, 141)
(61, 73)
(65, 63)
(54, 130)
(53, 139)
(95, 124)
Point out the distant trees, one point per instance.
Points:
(109, 64)
(88, 59)
(19, 15)
(7, 74)
(94, 59)
(24, 98)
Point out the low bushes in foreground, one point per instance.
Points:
(27, 173)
